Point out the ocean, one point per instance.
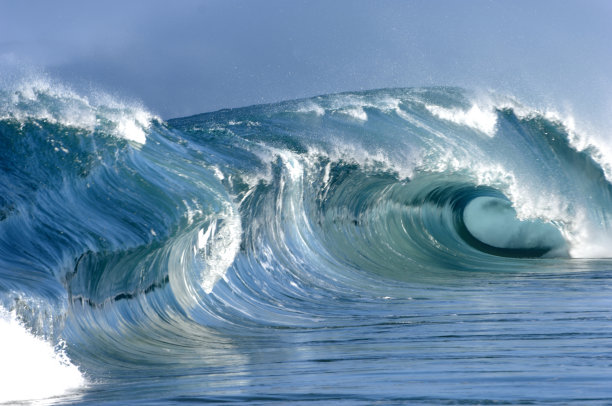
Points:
(395, 246)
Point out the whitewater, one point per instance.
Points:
(418, 246)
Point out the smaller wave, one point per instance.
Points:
(39, 98)
(31, 367)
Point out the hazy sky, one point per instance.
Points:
(187, 57)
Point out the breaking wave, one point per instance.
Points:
(135, 237)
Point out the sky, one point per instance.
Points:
(186, 57)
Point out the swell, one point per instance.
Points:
(274, 216)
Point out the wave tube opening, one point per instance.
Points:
(490, 224)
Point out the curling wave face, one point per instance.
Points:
(144, 239)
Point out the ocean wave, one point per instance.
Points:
(146, 238)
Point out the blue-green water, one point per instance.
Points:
(391, 246)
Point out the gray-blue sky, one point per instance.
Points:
(186, 57)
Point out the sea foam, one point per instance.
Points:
(31, 367)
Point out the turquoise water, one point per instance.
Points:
(389, 246)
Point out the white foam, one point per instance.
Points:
(352, 105)
(292, 163)
(357, 112)
(39, 98)
(480, 118)
(30, 367)
(131, 125)
(218, 245)
(218, 174)
(248, 123)
(311, 107)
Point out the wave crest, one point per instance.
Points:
(39, 98)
